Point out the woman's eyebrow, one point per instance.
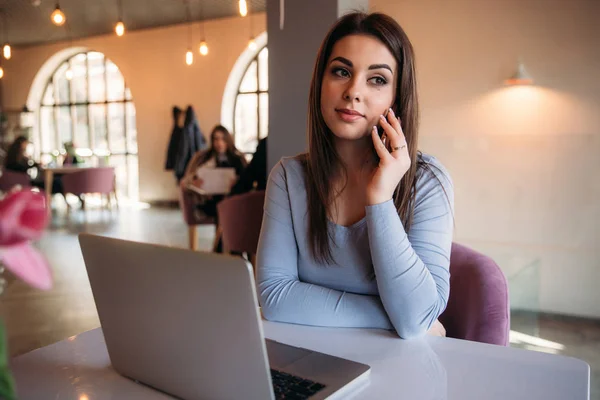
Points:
(343, 61)
(348, 63)
(379, 66)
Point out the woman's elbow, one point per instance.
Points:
(269, 308)
(411, 331)
(269, 313)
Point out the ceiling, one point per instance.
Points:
(28, 23)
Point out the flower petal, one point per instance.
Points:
(23, 216)
(27, 264)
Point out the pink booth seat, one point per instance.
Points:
(10, 179)
(91, 180)
(478, 307)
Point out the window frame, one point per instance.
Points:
(256, 92)
(72, 104)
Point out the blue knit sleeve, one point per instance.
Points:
(412, 268)
(283, 296)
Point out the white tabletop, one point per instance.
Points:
(424, 369)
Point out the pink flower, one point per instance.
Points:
(23, 217)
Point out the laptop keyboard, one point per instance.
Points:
(288, 386)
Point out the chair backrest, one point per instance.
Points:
(89, 180)
(478, 307)
(240, 219)
(9, 179)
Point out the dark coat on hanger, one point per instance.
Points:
(176, 134)
(191, 141)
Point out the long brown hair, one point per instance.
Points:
(232, 152)
(15, 154)
(323, 160)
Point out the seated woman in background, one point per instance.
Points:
(16, 156)
(255, 175)
(71, 154)
(17, 160)
(221, 154)
(358, 231)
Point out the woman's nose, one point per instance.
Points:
(353, 92)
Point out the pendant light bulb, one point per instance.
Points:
(189, 57)
(69, 74)
(58, 17)
(1, 72)
(243, 8)
(7, 51)
(203, 48)
(120, 28)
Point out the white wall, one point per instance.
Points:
(525, 160)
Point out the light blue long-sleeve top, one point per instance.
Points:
(383, 276)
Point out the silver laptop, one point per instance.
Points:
(188, 324)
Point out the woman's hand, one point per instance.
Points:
(393, 163)
(193, 180)
(197, 182)
(437, 329)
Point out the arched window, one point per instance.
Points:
(251, 111)
(87, 102)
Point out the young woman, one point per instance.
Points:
(17, 160)
(221, 154)
(358, 231)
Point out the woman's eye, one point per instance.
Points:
(379, 81)
(341, 72)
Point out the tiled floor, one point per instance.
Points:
(35, 319)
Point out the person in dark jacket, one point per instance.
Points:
(221, 154)
(18, 161)
(255, 175)
(16, 156)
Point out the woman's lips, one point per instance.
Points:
(348, 115)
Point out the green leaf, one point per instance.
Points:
(7, 384)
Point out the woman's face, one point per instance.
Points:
(25, 148)
(358, 86)
(219, 143)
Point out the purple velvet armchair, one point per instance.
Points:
(478, 307)
(193, 217)
(240, 220)
(9, 179)
(91, 180)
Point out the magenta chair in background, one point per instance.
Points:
(478, 307)
(240, 220)
(91, 180)
(194, 217)
(10, 179)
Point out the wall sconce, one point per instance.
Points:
(520, 77)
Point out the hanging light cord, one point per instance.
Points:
(189, 19)
(120, 9)
(202, 21)
(4, 26)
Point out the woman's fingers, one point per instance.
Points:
(382, 152)
(395, 123)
